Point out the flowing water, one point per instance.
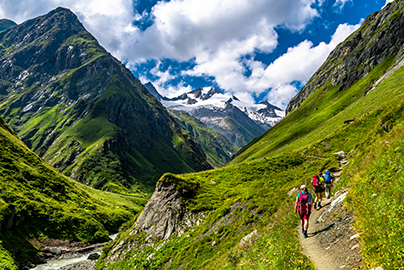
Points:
(50, 265)
(57, 264)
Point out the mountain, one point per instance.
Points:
(6, 24)
(84, 112)
(242, 216)
(39, 203)
(238, 121)
(150, 87)
(218, 149)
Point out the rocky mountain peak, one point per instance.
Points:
(150, 87)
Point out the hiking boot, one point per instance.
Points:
(305, 234)
(315, 205)
(319, 205)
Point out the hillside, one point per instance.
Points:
(218, 149)
(241, 216)
(6, 24)
(84, 112)
(37, 202)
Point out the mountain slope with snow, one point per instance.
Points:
(240, 122)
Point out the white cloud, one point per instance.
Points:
(184, 29)
(297, 64)
(215, 34)
(341, 3)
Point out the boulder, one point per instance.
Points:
(340, 154)
(93, 256)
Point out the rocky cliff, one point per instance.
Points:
(84, 112)
(380, 36)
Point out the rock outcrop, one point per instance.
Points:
(164, 215)
(380, 36)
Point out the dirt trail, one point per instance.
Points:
(311, 245)
(332, 243)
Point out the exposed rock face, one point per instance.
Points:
(83, 111)
(381, 36)
(164, 215)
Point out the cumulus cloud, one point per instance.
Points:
(184, 29)
(215, 34)
(296, 65)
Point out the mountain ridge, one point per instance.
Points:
(84, 112)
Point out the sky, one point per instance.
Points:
(256, 50)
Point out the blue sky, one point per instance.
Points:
(257, 50)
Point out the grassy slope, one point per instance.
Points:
(48, 204)
(217, 148)
(284, 157)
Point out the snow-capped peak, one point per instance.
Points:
(263, 113)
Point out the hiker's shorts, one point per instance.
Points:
(318, 189)
(304, 216)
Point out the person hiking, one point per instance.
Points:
(328, 178)
(303, 205)
(317, 183)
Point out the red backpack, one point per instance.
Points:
(303, 204)
(315, 180)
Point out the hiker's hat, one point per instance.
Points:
(302, 186)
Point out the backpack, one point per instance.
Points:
(315, 180)
(320, 180)
(303, 204)
(328, 177)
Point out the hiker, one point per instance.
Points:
(303, 204)
(317, 183)
(328, 178)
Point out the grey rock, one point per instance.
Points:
(164, 215)
(93, 256)
(340, 154)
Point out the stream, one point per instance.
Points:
(58, 264)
